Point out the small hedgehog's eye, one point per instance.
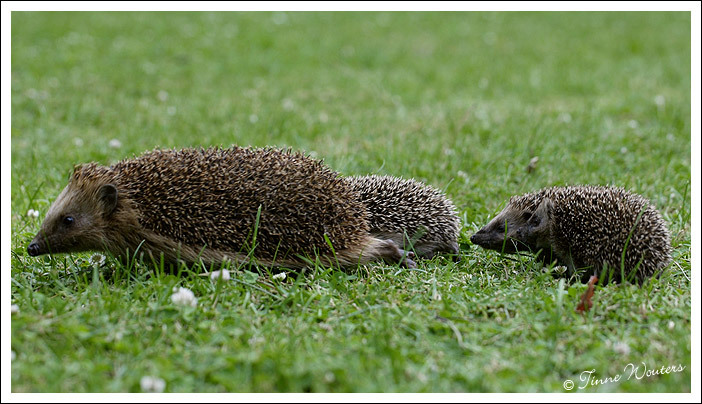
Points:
(526, 216)
(68, 220)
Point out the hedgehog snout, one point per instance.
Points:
(477, 238)
(37, 246)
(487, 239)
(33, 249)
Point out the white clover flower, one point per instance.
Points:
(14, 308)
(184, 296)
(253, 118)
(621, 348)
(288, 104)
(464, 176)
(33, 213)
(78, 142)
(633, 124)
(171, 110)
(152, 384)
(162, 96)
(115, 144)
(214, 275)
(659, 100)
(623, 150)
(671, 325)
(280, 276)
(565, 117)
(323, 117)
(97, 260)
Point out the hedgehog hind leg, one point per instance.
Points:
(375, 249)
(424, 247)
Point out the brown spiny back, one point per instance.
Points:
(210, 197)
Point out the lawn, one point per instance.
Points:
(461, 101)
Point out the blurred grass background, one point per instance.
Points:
(462, 100)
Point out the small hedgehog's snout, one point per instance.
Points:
(485, 239)
(475, 238)
(33, 249)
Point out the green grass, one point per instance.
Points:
(462, 101)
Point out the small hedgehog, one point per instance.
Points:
(213, 205)
(586, 228)
(413, 215)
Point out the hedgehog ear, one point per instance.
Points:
(542, 214)
(107, 196)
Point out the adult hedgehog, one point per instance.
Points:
(586, 228)
(203, 205)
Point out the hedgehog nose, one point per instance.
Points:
(33, 249)
(474, 239)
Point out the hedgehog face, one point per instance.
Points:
(75, 221)
(516, 229)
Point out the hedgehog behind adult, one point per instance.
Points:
(587, 228)
(414, 215)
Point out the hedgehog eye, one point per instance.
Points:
(526, 216)
(68, 220)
